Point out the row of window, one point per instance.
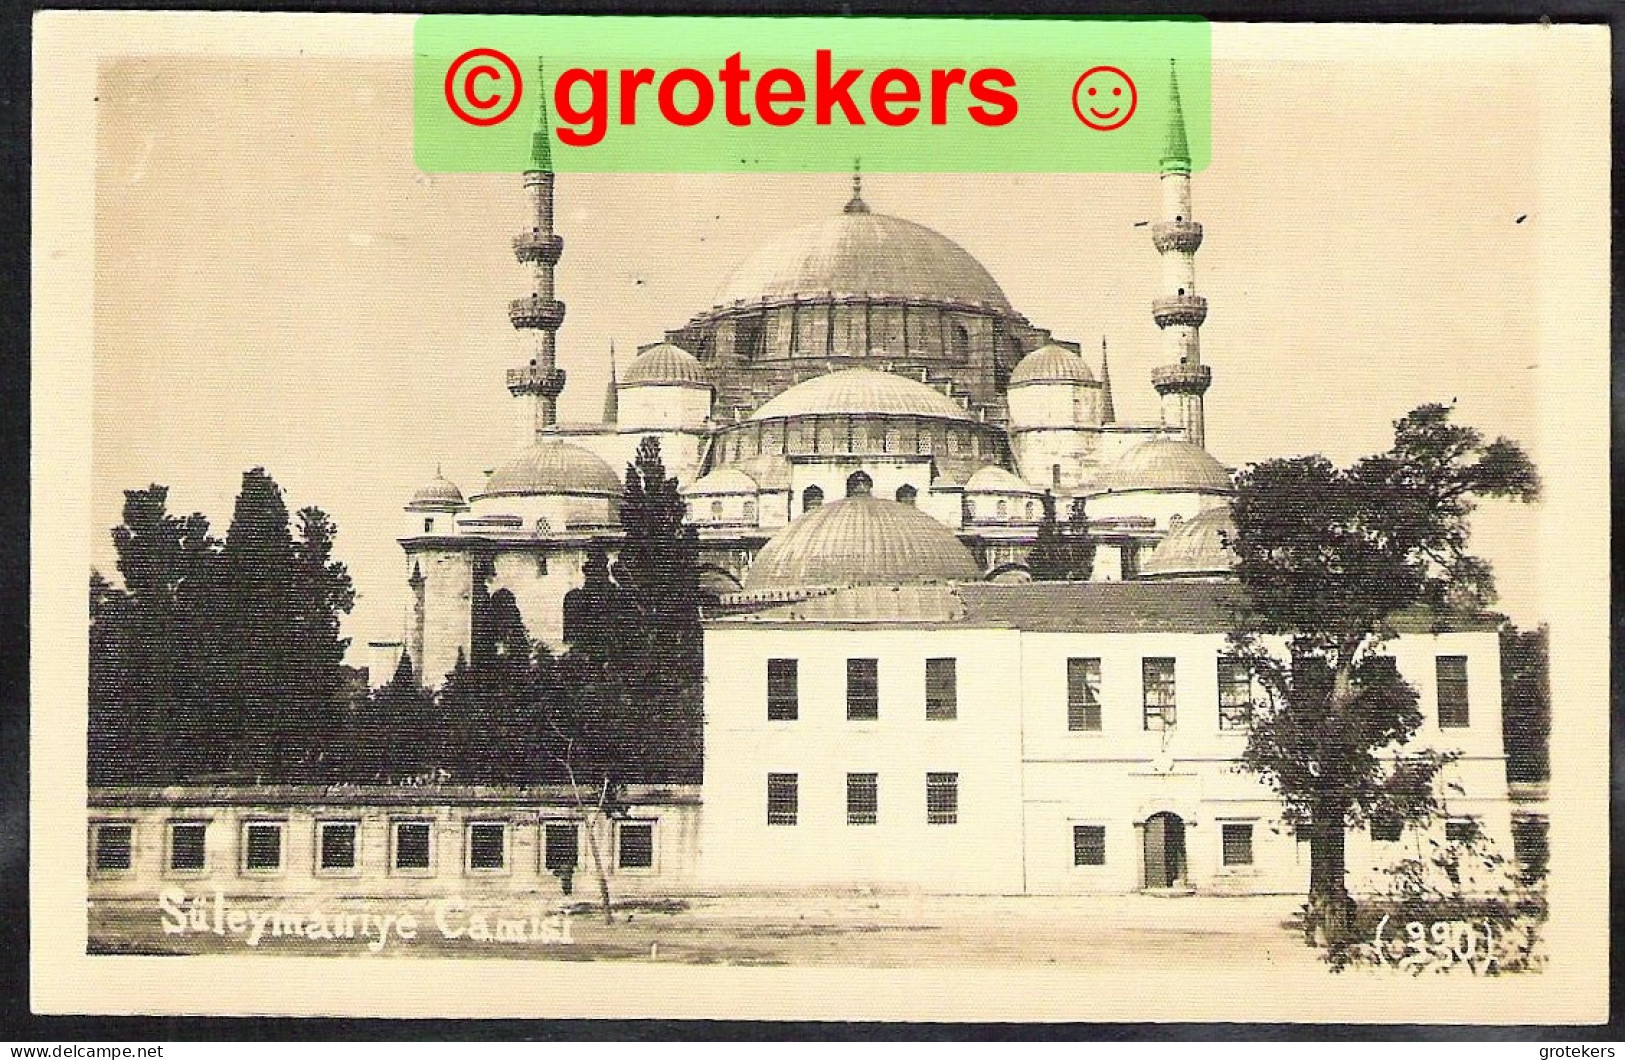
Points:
(863, 798)
(1236, 689)
(1235, 842)
(487, 846)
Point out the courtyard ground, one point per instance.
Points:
(804, 928)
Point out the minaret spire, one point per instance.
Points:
(1180, 311)
(539, 314)
(856, 203)
(612, 399)
(1108, 411)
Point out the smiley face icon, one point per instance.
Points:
(1104, 98)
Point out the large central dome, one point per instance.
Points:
(857, 253)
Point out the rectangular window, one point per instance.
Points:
(1530, 846)
(336, 845)
(782, 704)
(942, 798)
(782, 798)
(862, 689)
(941, 689)
(1238, 843)
(1088, 844)
(1452, 674)
(487, 846)
(262, 846)
(411, 846)
(561, 846)
(1235, 695)
(187, 846)
(1386, 829)
(1083, 695)
(1158, 678)
(1129, 562)
(636, 849)
(1461, 830)
(113, 847)
(862, 798)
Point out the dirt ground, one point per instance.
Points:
(760, 929)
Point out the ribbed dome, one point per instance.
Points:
(665, 365)
(995, 479)
(1051, 364)
(861, 540)
(1195, 548)
(438, 493)
(551, 466)
(723, 480)
(1165, 464)
(861, 390)
(860, 253)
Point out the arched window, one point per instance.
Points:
(961, 341)
(1002, 510)
(428, 526)
(543, 526)
(1174, 521)
(811, 498)
(970, 508)
(859, 484)
(716, 511)
(750, 511)
(906, 494)
(1029, 511)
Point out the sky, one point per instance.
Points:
(277, 285)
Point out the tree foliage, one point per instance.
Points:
(1526, 703)
(1062, 553)
(1330, 560)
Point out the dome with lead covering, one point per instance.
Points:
(1197, 548)
(665, 365)
(550, 466)
(859, 391)
(1166, 464)
(994, 479)
(438, 493)
(861, 540)
(1051, 364)
(727, 480)
(858, 253)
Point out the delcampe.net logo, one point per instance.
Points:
(672, 95)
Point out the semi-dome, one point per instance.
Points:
(856, 391)
(1197, 547)
(723, 480)
(1166, 464)
(861, 540)
(1051, 364)
(995, 479)
(550, 466)
(438, 493)
(862, 253)
(665, 365)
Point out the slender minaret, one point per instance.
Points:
(612, 395)
(1108, 410)
(1180, 312)
(539, 313)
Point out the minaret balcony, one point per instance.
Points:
(533, 380)
(534, 247)
(1182, 379)
(534, 311)
(1183, 236)
(1188, 310)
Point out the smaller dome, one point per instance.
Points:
(665, 365)
(995, 479)
(1051, 364)
(438, 493)
(550, 466)
(861, 540)
(1166, 464)
(1196, 548)
(856, 391)
(723, 480)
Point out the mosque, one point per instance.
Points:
(864, 348)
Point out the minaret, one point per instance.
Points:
(612, 396)
(539, 314)
(1180, 312)
(1108, 410)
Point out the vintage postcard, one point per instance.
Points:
(951, 520)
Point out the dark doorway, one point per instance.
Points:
(1164, 851)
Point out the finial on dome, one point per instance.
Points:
(856, 203)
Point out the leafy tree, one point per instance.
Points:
(1062, 554)
(1330, 559)
(1526, 703)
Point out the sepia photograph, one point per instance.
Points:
(858, 592)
